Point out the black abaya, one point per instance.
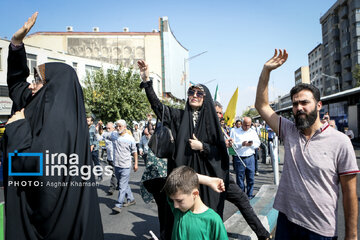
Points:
(55, 120)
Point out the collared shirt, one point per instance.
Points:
(93, 139)
(109, 145)
(137, 135)
(309, 185)
(124, 146)
(239, 136)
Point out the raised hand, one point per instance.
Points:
(277, 60)
(144, 70)
(18, 37)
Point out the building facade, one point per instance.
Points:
(302, 75)
(315, 68)
(341, 45)
(160, 49)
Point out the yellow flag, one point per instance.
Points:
(230, 112)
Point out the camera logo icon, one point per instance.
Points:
(16, 154)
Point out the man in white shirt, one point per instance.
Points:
(245, 141)
(137, 135)
(124, 147)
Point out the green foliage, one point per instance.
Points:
(356, 75)
(250, 113)
(115, 95)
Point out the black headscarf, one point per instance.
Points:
(56, 120)
(214, 160)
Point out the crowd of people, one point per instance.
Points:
(189, 187)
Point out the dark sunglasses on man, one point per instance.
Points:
(199, 94)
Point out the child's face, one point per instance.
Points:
(184, 201)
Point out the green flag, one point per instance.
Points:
(217, 96)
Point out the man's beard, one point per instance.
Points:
(303, 123)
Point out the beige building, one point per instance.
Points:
(124, 48)
(302, 75)
(159, 48)
(315, 68)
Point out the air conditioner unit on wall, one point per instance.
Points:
(69, 29)
(96, 29)
(126, 29)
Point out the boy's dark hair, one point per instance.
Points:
(222, 119)
(237, 121)
(182, 179)
(305, 86)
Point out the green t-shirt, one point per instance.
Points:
(206, 226)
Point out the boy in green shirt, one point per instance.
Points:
(192, 218)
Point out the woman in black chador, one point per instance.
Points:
(199, 142)
(49, 118)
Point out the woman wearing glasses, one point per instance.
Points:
(199, 142)
(49, 118)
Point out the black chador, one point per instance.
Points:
(213, 160)
(55, 121)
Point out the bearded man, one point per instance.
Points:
(317, 158)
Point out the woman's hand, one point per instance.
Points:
(195, 144)
(144, 70)
(18, 37)
(17, 116)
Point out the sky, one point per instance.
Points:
(239, 36)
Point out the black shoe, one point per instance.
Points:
(109, 193)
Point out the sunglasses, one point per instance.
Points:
(36, 79)
(199, 94)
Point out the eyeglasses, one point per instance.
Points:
(199, 94)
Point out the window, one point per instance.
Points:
(91, 69)
(31, 62)
(75, 66)
(4, 91)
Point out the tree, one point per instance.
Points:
(115, 95)
(250, 113)
(173, 104)
(356, 75)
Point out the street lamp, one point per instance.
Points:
(185, 75)
(333, 77)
